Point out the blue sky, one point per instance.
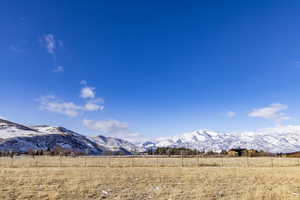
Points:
(154, 68)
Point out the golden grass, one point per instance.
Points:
(143, 183)
(48, 161)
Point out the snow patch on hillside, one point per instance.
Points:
(276, 140)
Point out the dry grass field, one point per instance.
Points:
(135, 179)
(149, 161)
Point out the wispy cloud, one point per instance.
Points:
(49, 43)
(113, 128)
(106, 126)
(59, 69)
(71, 109)
(51, 103)
(273, 112)
(87, 92)
(90, 93)
(94, 105)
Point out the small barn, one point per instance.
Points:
(242, 152)
(237, 152)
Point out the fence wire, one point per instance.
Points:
(147, 161)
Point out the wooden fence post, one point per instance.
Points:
(132, 165)
(36, 161)
(247, 161)
(181, 158)
(60, 161)
(222, 161)
(272, 164)
(12, 161)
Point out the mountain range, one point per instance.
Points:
(21, 138)
(282, 139)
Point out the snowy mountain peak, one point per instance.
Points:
(8, 124)
(278, 139)
(20, 138)
(54, 130)
(17, 137)
(113, 142)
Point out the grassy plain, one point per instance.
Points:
(25, 179)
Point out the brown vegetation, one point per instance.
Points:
(143, 178)
(146, 161)
(150, 183)
(293, 155)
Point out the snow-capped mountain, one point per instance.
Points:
(17, 137)
(20, 138)
(111, 142)
(279, 139)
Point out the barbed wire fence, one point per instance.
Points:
(147, 161)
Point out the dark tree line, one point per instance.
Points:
(56, 151)
(186, 152)
(173, 151)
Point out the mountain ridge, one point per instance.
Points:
(18, 137)
(276, 140)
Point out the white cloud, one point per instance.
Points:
(87, 92)
(51, 44)
(273, 112)
(114, 128)
(48, 41)
(50, 103)
(106, 126)
(2, 118)
(93, 105)
(230, 114)
(59, 69)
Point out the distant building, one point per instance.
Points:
(241, 152)
(237, 152)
